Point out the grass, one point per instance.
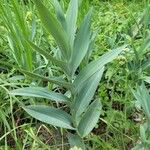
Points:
(118, 127)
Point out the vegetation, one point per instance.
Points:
(80, 69)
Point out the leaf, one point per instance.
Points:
(76, 141)
(145, 46)
(71, 19)
(50, 115)
(54, 80)
(147, 79)
(90, 118)
(60, 13)
(81, 43)
(95, 65)
(55, 28)
(86, 93)
(143, 97)
(40, 92)
(92, 42)
(145, 64)
(48, 56)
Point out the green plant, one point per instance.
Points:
(19, 28)
(139, 66)
(79, 81)
(142, 96)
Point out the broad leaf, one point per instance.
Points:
(95, 65)
(50, 115)
(40, 92)
(90, 118)
(55, 28)
(71, 19)
(81, 43)
(86, 93)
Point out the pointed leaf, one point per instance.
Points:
(145, 45)
(60, 13)
(54, 27)
(143, 97)
(40, 92)
(50, 115)
(54, 80)
(92, 42)
(95, 65)
(81, 43)
(147, 79)
(47, 55)
(71, 19)
(90, 118)
(86, 93)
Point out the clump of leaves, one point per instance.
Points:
(81, 77)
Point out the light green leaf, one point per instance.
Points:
(91, 45)
(48, 56)
(145, 45)
(71, 19)
(95, 65)
(55, 28)
(50, 115)
(143, 97)
(147, 79)
(90, 118)
(76, 141)
(81, 43)
(60, 13)
(40, 92)
(54, 80)
(86, 93)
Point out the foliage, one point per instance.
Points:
(54, 76)
(72, 50)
